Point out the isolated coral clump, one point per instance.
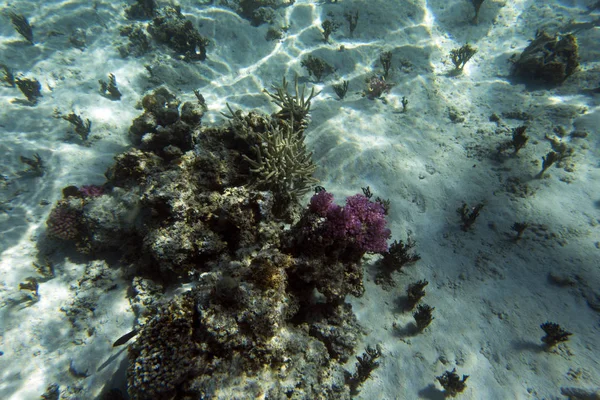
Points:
(376, 87)
(170, 27)
(548, 58)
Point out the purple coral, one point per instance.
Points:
(376, 86)
(321, 203)
(91, 191)
(365, 223)
(360, 222)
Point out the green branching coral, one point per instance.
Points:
(293, 106)
(282, 163)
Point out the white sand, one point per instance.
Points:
(490, 294)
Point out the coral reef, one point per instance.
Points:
(138, 42)
(190, 209)
(141, 10)
(166, 341)
(163, 127)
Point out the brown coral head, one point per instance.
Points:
(64, 222)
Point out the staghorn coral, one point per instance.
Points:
(253, 311)
(282, 164)
(293, 106)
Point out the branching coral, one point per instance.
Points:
(22, 26)
(366, 364)
(295, 105)
(452, 383)
(461, 56)
(282, 163)
(554, 334)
